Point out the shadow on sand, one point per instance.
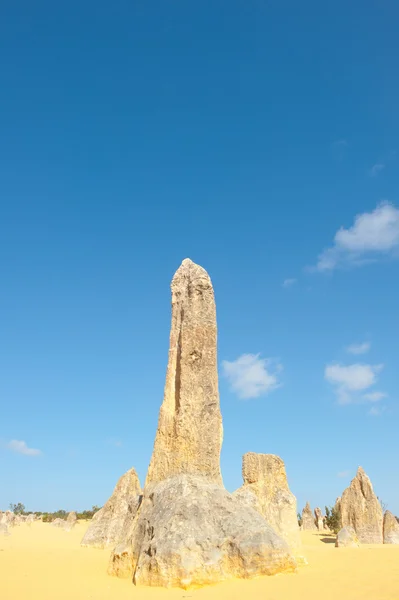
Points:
(328, 539)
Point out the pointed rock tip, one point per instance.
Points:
(190, 268)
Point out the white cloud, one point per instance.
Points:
(376, 411)
(374, 396)
(343, 474)
(251, 376)
(289, 282)
(359, 348)
(376, 169)
(20, 447)
(373, 235)
(350, 380)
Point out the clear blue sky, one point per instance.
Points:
(243, 135)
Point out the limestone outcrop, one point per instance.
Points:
(308, 522)
(347, 538)
(265, 479)
(318, 517)
(8, 518)
(4, 529)
(391, 528)
(189, 531)
(361, 509)
(59, 523)
(116, 516)
(190, 431)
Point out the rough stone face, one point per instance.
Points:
(8, 518)
(319, 520)
(191, 532)
(190, 431)
(308, 522)
(117, 514)
(264, 475)
(361, 509)
(4, 529)
(72, 517)
(347, 538)
(59, 523)
(391, 529)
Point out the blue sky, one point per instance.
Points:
(260, 139)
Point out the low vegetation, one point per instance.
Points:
(333, 518)
(48, 517)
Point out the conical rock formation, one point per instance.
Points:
(117, 514)
(391, 529)
(308, 521)
(189, 531)
(265, 478)
(361, 509)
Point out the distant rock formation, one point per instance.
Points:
(319, 519)
(59, 523)
(266, 489)
(347, 538)
(308, 522)
(116, 516)
(4, 529)
(9, 518)
(391, 529)
(361, 509)
(189, 531)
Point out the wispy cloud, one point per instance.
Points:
(251, 376)
(359, 348)
(343, 474)
(350, 380)
(376, 411)
(21, 447)
(375, 396)
(287, 283)
(376, 169)
(372, 236)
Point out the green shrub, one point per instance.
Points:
(333, 518)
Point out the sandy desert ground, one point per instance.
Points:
(41, 562)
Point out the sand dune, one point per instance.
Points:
(40, 562)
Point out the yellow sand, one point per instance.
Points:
(41, 562)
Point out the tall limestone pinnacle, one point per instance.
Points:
(190, 431)
(189, 531)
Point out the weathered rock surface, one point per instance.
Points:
(265, 477)
(308, 522)
(191, 532)
(8, 518)
(116, 516)
(72, 517)
(4, 529)
(361, 509)
(190, 431)
(59, 523)
(391, 528)
(347, 538)
(319, 520)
